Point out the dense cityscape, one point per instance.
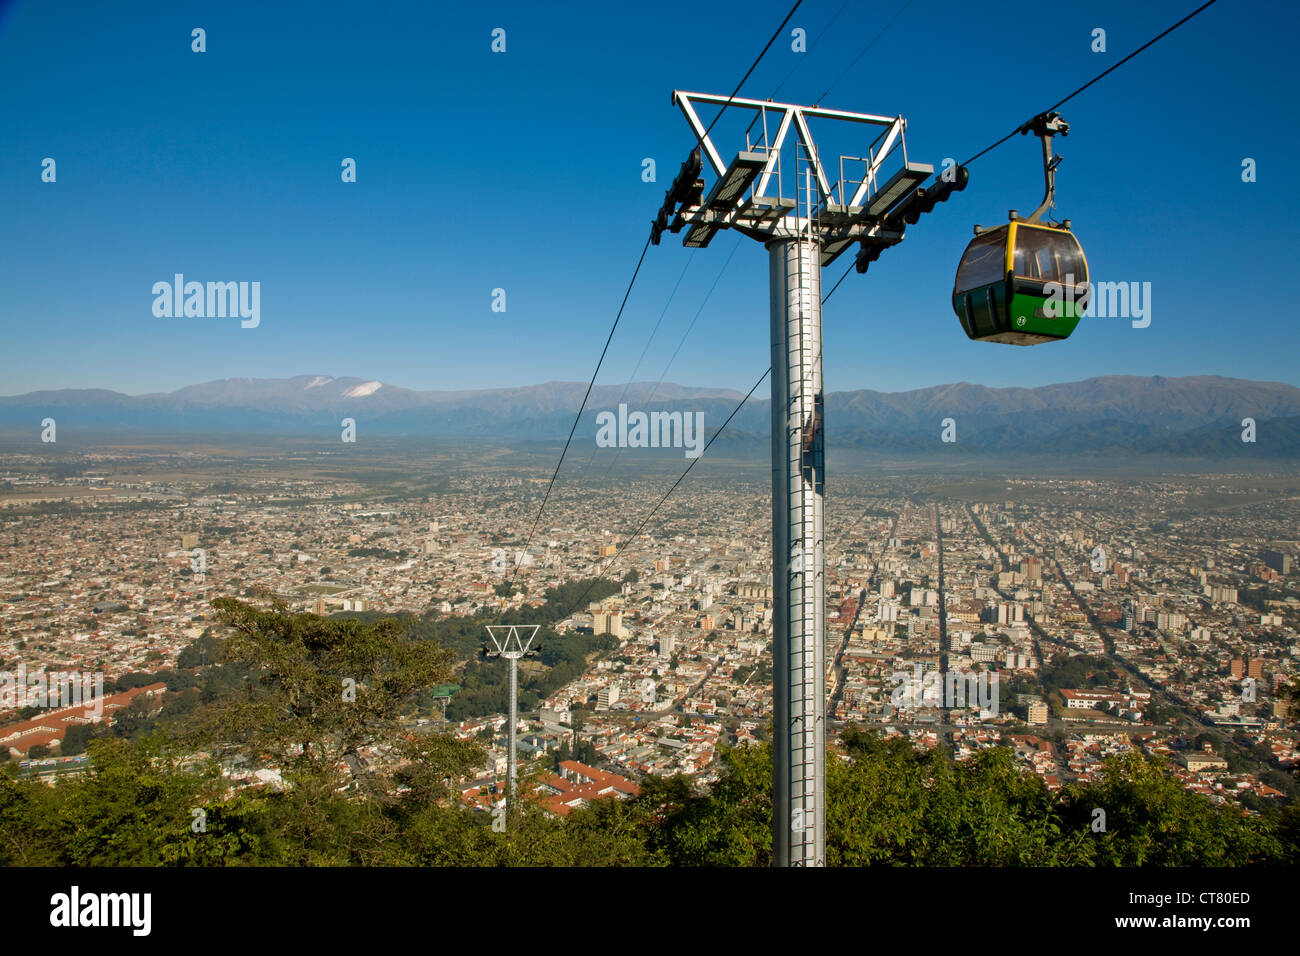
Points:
(1067, 619)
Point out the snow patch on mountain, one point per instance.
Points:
(318, 381)
(364, 389)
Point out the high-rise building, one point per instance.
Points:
(609, 622)
(189, 542)
(1279, 562)
(1220, 594)
(1255, 669)
(667, 643)
(1010, 614)
(1170, 620)
(1237, 668)
(607, 696)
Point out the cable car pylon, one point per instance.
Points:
(805, 221)
(511, 641)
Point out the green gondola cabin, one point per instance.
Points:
(1024, 283)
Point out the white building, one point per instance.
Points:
(607, 697)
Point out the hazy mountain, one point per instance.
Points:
(1199, 415)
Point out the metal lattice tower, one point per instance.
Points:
(803, 232)
(508, 642)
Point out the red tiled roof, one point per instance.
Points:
(52, 726)
(583, 785)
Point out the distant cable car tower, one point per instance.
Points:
(803, 232)
(511, 641)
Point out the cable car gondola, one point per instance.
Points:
(1026, 282)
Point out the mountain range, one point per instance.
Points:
(1134, 415)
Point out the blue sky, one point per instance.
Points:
(523, 171)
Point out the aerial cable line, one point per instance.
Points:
(837, 284)
(635, 273)
(1103, 73)
(834, 83)
(1106, 72)
(864, 51)
(800, 61)
(663, 375)
(698, 313)
(578, 417)
(644, 350)
(1071, 96)
(728, 261)
(707, 130)
(777, 89)
(718, 278)
(734, 92)
(680, 478)
(753, 65)
(1060, 103)
(967, 163)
